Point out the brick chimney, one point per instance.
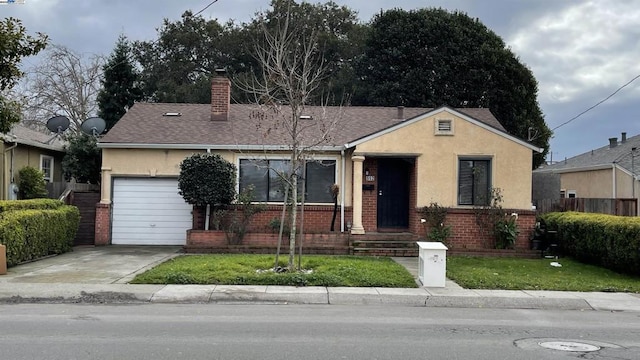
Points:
(220, 96)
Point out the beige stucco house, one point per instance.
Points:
(387, 161)
(26, 147)
(608, 172)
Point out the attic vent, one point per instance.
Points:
(172, 114)
(444, 127)
(306, 117)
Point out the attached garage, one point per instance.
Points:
(149, 211)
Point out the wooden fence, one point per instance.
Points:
(620, 207)
(55, 189)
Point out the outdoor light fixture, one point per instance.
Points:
(366, 171)
(349, 225)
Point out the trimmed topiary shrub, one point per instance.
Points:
(207, 179)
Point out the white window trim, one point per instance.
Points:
(43, 157)
(571, 192)
(444, 132)
(285, 157)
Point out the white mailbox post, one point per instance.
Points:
(432, 269)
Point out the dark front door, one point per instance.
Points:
(393, 193)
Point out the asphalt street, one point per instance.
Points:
(205, 331)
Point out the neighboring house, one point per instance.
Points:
(388, 163)
(26, 147)
(611, 171)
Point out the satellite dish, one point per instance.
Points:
(93, 126)
(58, 124)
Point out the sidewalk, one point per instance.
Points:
(48, 281)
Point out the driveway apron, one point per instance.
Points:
(92, 265)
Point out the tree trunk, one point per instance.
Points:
(294, 215)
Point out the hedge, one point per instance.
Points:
(605, 240)
(31, 234)
(34, 204)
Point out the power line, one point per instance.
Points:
(599, 102)
(205, 8)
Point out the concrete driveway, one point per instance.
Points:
(92, 265)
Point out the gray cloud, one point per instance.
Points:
(580, 51)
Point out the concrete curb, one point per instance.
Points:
(14, 293)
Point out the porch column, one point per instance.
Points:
(357, 227)
(105, 186)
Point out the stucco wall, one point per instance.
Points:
(25, 156)
(624, 184)
(437, 164)
(589, 184)
(166, 163)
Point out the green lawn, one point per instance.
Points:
(536, 274)
(468, 272)
(224, 269)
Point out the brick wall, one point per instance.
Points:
(370, 198)
(200, 241)
(468, 235)
(103, 224)
(317, 218)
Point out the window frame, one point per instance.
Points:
(489, 180)
(43, 157)
(284, 158)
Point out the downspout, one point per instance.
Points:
(614, 187)
(344, 187)
(11, 163)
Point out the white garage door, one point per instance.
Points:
(149, 212)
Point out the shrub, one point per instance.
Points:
(34, 204)
(433, 218)
(241, 216)
(31, 234)
(31, 183)
(207, 180)
(605, 240)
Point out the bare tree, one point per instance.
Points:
(64, 83)
(292, 70)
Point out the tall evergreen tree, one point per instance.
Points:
(119, 85)
(433, 57)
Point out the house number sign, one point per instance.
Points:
(370, 178)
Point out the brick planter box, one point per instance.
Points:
(214, 241)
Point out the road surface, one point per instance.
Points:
(207, 331)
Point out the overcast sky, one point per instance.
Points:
(579, 51)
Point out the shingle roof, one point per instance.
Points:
(24, 135)
(145, 123)
(620, 155)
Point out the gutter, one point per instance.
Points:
(209, 147)
(575, 169)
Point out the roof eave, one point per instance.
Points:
(210, 147)
(577, 169)
(435, 112)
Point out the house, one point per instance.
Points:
(611, 171)
(388, 162)
(26, 147)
